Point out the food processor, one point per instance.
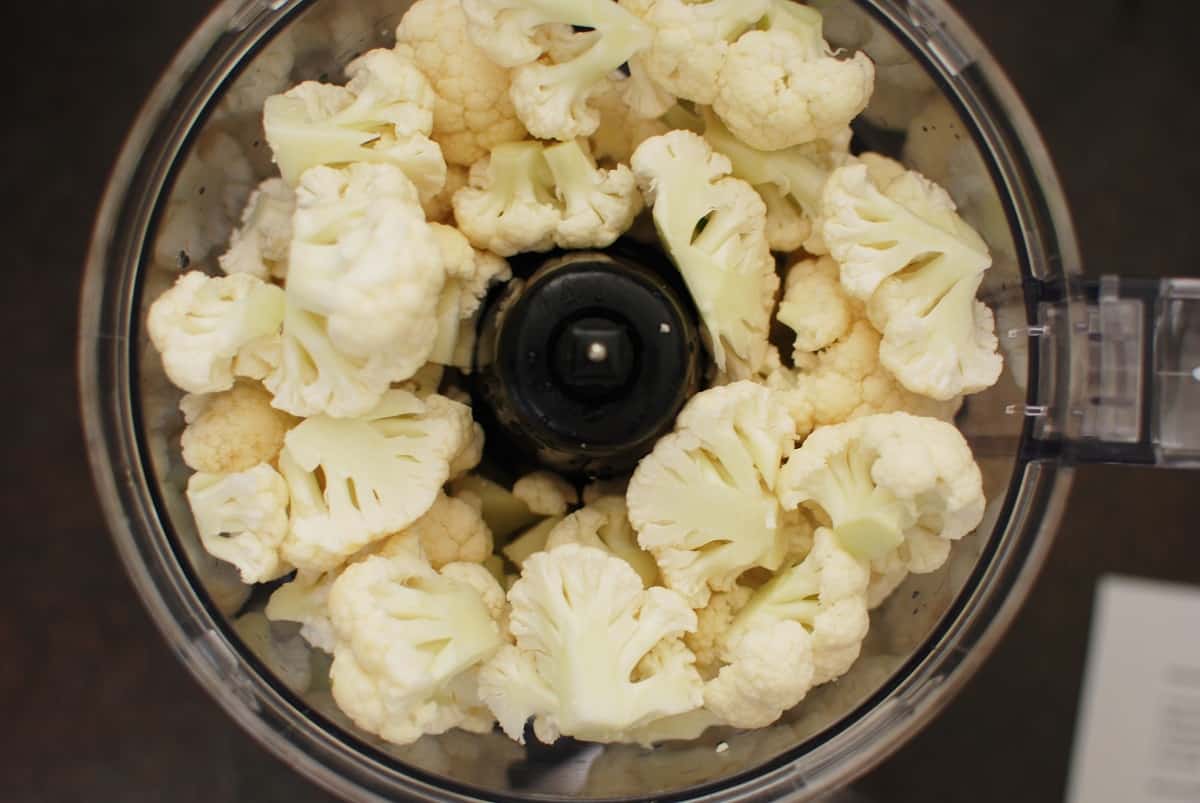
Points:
(1107, 370)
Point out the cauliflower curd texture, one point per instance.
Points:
(326, 356)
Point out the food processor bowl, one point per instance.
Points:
(1096, 372)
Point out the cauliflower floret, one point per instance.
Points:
(555, 80)
(383, 115)
(814, 306)
(471, 455)
(604, 524)
(790, 181)
(886, 483)
(200, 325)
(363, 286)
(232, 431)
(692, 41)
(241, 518)
(504, 513)
(473, 112)
(712, 623)
(305, 601)
(826, 598)
(440, 208)
(583, 624)
(531, 541)
(409, 644)
(903, 248)
(599, 204)
(783, 86)
(260, 247)
(769, 670)
(621, 130)
(452, 531)
(469, 276)
(354, 481)
(546, 493)
(714, 228)
(509, 206)
(703, 501)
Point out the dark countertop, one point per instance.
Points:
(95, 705)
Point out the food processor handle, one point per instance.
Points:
(1132, 371)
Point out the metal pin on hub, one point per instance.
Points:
(597, 352)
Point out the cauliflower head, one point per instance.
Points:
(712, 623)
(557, 69)
(354, 481)
(598, 204)
(262, 245)
(452, 531)
(584, 625)
(769, 670)
(409, 644)
(470, 274)
(703, 501)
(232, 431)
(714, 228)
(241, 518)
(363, 287)
(886, 483)
(200, 325)
(783, 86)
(546, 493)
(510, 206)
(473, 112)
(903, 248)
(383, 115)
(604, 524)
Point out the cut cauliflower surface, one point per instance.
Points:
(811, 618)
(354, 481)
(383, 115)
(889, 483)
(232, 431)
(713, 227)
(241, 518)
(363, 287)
(473, 112)
(783, 86)
(200, 325)
(262, 245)
(470, 274)
(546, 493)
(528, 197)
(452, 531)
(554, 80)
(409, 641)
(604, 524)
(903, 248)
(584, 627)
(703, 501)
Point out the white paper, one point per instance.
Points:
(1138, 734)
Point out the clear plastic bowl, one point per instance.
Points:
(190, 162)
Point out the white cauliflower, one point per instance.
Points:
(599, 204)
(703, 501)
(604, 524)
(554, 81)
(584, 626)
(546, 493)
(504, 513)
(714, 228)
(886, 483)
(712, 623)
(383, 115)
(814, 306)
(473, 112)
(241, 518)
(692, 40)
(409, 644)
(510, 207)
(232, 431)
(903, 248)
(802, 629)
(362, 291)
(305, 601)
(354, 481)
(783, 86)
(262, 244)
(621, 130)
(471, 455)
(452, 531)
(440, 208)
(531, 541)
(791, 181)
(469, 276)
(200, 325)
